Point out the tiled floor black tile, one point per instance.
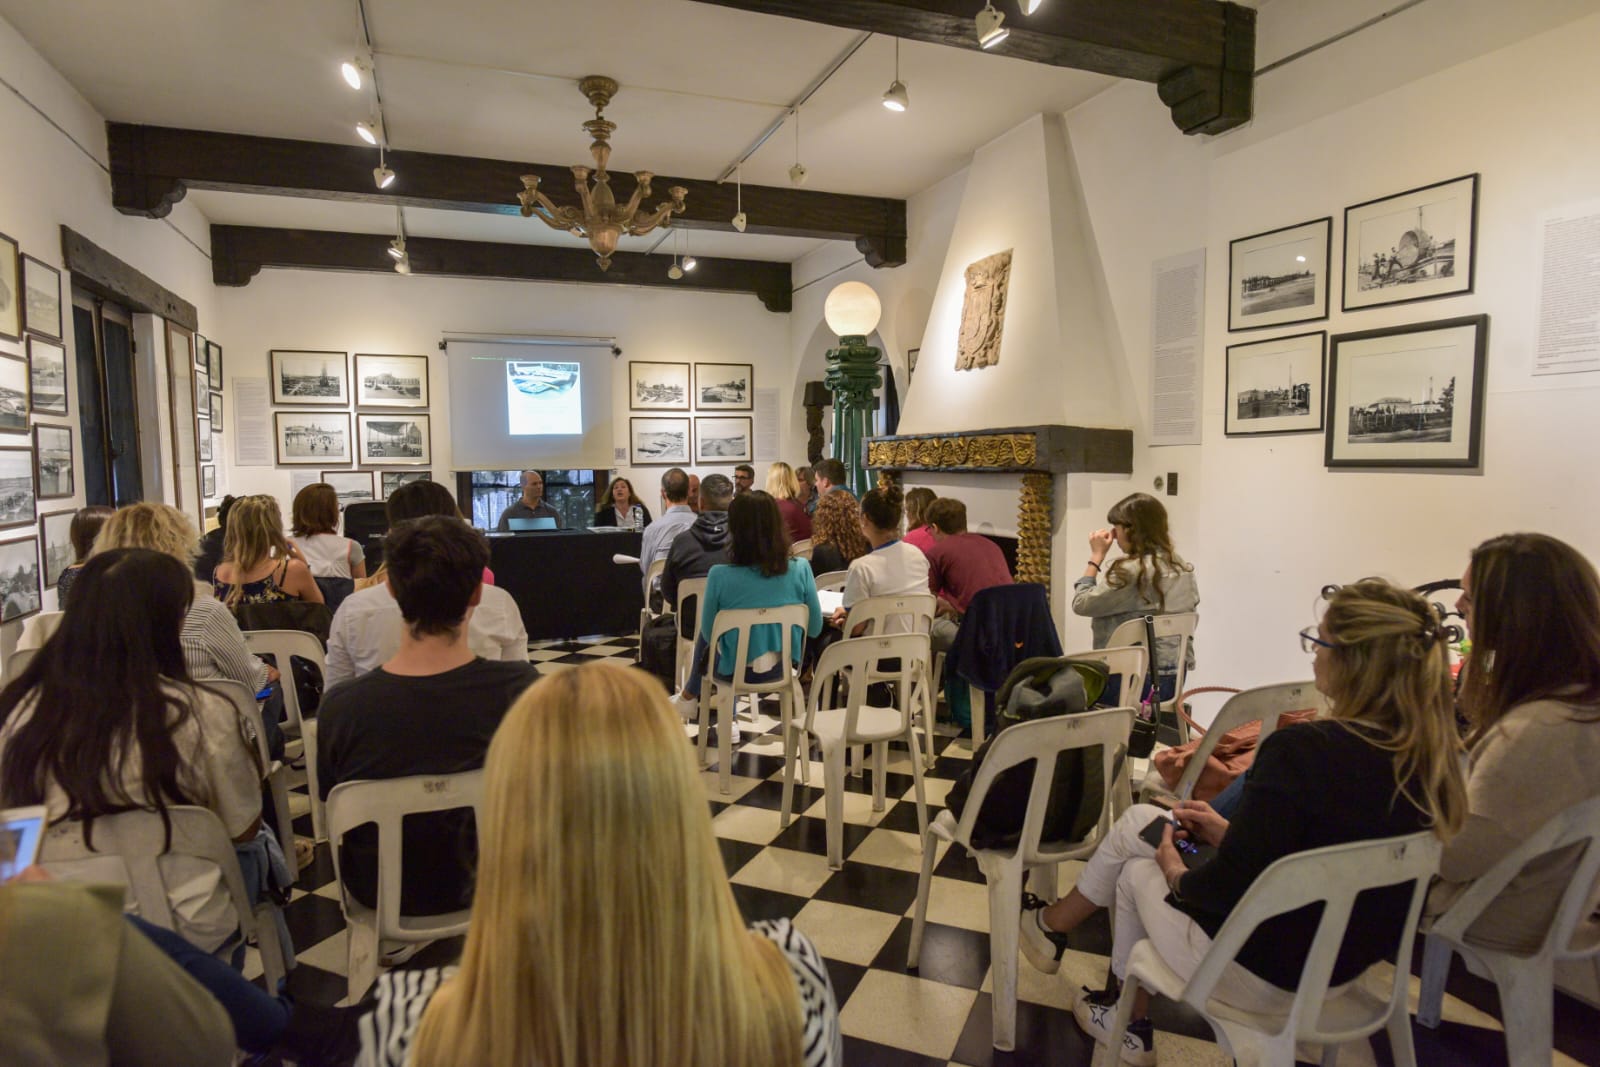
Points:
(845, 977)
(949, 954)
(736, 854)
(864, 886)
(1462, 1046)
(319, 872)
(872, 1054)
(959, 864)
(1045, 1036)
(574, 658)
(894, 783)
(750, 765)
(312, 920)
(316, 986)
(807, 834)
(769, 794)
(443, 953)
(903, 817)
(757, 904)
(949, 767)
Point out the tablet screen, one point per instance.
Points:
(23, 828)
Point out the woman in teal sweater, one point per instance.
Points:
(759, 574)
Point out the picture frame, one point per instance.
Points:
(55, 544)
(352, 487)
(215, 407)
(391, 440)
(658, 386)
(391, 381)
(17, 500)
(1408, 247)
(202, 384)
(15, 394)
(658, 442)
(303, 438)
(21, 593)
(214, 363)
(208, 481)
(1280, 278)
(726, 440)
(54, 473)
(389, 481)
(1408, 396)
(10, 289)
(724, 386)
(1275, 386)
(200, 343)
(912, 356)
(41, 306)
(309, 377)
(204, 447)
(47, 377)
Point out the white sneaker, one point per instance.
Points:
(687, 707)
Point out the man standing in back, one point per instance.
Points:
(744, 479)
(531, 506)
(699, 548)
(676, 517)
(960, 566)
(431, 709)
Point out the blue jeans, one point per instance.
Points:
(258, 1020)
(1226, 802)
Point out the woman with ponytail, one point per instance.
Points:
(891, 567)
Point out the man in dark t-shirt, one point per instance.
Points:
(531, 505)
(432, 709)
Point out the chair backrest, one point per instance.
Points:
(653, 574)
(832, 580)
(801, 549)
(1334, 876)
(249, 712)
(859, 660)
(1264, 702)
(907, 613)
(1577, 824)
(291, 614)
(16, 663)
(1178, 624)
(1127, 663)
(1043, 741)
(280, 645)
(743, 621)
(38, 629)
(386, 803)
(136, 838)
(690, 589)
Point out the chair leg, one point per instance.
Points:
(725, 720)
(929, 715)
(1119, 1023)
(790, 743)
(833, 771)
(922, 803)
(705, 724)
(1436, 954)
(362, 958)
(1527, 1007)
(919, 915)
(880, 766)
(308, 737)
(280, 805)
(975, 698)
(270, 944)
(1401, 1046)
(1005, 911)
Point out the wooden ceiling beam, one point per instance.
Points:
(1199, 53)
(238, 253)
(153, 166)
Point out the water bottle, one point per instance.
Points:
(635, 518)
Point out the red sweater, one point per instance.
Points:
(963, 565)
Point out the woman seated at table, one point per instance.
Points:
(619, 507)
(591, 795)
(836, 537)
(1385, 762)
(759, 573)
(1531, 693)
(259, 566)
(784, 487)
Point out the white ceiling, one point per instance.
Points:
(497, 78)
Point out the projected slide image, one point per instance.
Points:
(543, 398)
(663, 441)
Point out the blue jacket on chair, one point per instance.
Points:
(1004, 625)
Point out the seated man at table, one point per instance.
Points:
(431, 709)
(960, 566)
(531, 506)
(676, 516)
(694, 493)
(699, 548)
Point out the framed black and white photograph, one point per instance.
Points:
(16, 487)
(394, 439)
(320, 379)
(14, 393)
(725, 440)
(20, 592)
(1416, 245)
(1280, 277)
(215, 407)
(214, 363)
(41, 307)
(1276, 386)
(658, 386)
(307, 437)
(352, 487)
(200, 352)
(391, 381)
(53, 466)
(392, 480)
(208, 481)
(202, 385)
(724, 386)
(10, 290)
(659, 442)
(47, 377)
(55, 540)
(1408, 396)
(203, 447)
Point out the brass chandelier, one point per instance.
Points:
(601, 220)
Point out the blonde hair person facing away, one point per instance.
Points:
(784, 487)
(258, 563)
(592, 796)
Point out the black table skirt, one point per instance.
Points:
(565, 583)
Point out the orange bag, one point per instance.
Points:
(1231, 757)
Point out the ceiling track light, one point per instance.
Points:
(797, 173)
(397, 247)
(356, 69)
(990, 24)
(1030, 6)
(739, 221)
(371, 131)
(382, 176)
(896, 98)
(403, 266)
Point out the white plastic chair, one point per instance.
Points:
(690, 589)
(856, 662)
(903, 613)
(386, 803)
(1180, 625)
(1333, 876)
(1265, 702)
(16, 663)
(1043, 741)
(725, 695)
(279, 645)
(651, 577)
(833, 580)
(1526, 982)
(274, 772)
(801, 549)
(38, 629)
(137, 840)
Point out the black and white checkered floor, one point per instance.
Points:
(859, 918)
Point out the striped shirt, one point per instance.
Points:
(387, 1032)
(213, 646)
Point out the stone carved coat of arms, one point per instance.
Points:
(983, 312)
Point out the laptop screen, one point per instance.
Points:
(538, 522)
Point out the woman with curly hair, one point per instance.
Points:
(836, 537)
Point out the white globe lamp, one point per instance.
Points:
(852, 310)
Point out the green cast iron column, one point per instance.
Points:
(853, 376)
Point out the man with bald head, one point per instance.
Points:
(531, 506)
(694, 493)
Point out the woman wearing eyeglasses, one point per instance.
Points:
(1385, 762)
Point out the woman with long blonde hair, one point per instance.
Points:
(784, 487)
(258, 564)
(569, 962)
(1385, 762)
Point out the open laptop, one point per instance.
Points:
(538, 522)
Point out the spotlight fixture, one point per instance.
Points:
(739, 221)
(896, 98)
(990, 29)
(689, 263)
(370, 131)
(397, 248)
(403, 266)
(354, 69)
(382, 176)
(797, 173)
(1030, 6)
